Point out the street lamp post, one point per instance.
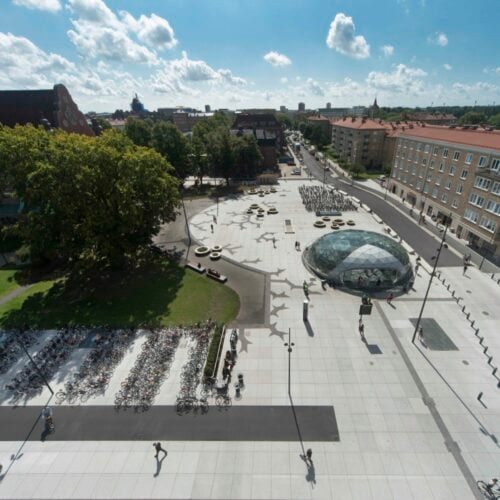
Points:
(289, 344)
(23, 347)
(430, 279)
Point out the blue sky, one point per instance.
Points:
(262, 53)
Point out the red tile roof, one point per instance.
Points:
(480, 137)
(360, 123)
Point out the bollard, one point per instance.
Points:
(479, 396)
(237, 388)
(240, 380)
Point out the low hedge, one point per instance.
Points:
(212, 360)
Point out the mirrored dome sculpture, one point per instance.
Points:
(360, 260)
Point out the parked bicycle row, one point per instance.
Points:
(192, 371)
(151, 368)
(320, 198)
(11, 350)
(96, 370)
(30, 380)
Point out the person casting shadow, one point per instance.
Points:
(311, 474)
(159, 462)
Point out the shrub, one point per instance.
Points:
(212, 359)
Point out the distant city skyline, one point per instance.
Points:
(253, 53)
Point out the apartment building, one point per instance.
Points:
(359, 140)
(452, 172)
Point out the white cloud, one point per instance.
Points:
(276, 59)
(447, 66)
(314, 87)
(48, 5)
(475, 89)
(153, 30)
(494, 71)
(402, 80)
(341, 37)
(438, 38)
(98, 33)
(388, 50)
(284, 80)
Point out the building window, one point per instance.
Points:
(452, 169)
(447, 185)
(470, 215)
(434, 192)
(463, 175)
(436, 150)
(445, 153)
(429, 177)
(468, 158)
(496, 188)
(475, 199)
(482, 183)
(441, 167)
(393, 174)
(427, 148)
(431, 165)
(419, 146)
(419, 185)
(488, 224)
(426, 188)
(495, 164)
(438, 181)
(424, 161)
(413, 170)
(460, 189)
(454, 203)
(444, 197)
(493, 206)
(482, 161)
(456, 155)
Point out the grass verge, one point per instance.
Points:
(157, 294)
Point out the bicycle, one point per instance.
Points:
(223, 402)
(487, 491)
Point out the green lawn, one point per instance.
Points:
(157, 294)
(8, 281)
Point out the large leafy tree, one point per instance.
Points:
(169, 141)
(139, 131)
(97, 200)
(247, 156)
(473, 118)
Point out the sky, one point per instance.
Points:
(253, 53)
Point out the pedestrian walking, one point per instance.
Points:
(465, 269)
(389, 298)
(274, 242)
(309, 455)
(214, 219)
(159, 448)
(212, 228)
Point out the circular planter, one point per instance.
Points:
(215, 256)
(326, 219)
(261, 195)
(217, 249)
(273, 190)
(254, 206)
(249, 211)
(252, 191)
(261, 210)
(339, 220)
(334, 226)
(201, 251)
(340, 223)
(351, 223)
(319, 223)
(272, 211)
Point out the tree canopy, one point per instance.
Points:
(90, 199)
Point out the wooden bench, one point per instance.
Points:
(215, 275)
(196, 267)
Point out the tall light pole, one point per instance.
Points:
(430, 279)
(289, 344)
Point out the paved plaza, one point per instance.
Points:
(385, 418)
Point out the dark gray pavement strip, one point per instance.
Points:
(238, 423)
(251, 285)
(451, 445)
(435, 337)
(423, 243)
(419, 299)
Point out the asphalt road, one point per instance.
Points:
(424, 244)
(238, 423)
